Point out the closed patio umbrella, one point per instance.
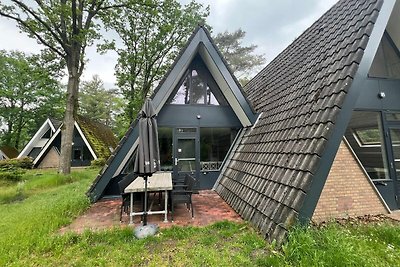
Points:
(147, 159)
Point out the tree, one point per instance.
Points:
(28, 94)
(65, 28)
(151, 39)
(241, 59)
(97, 103)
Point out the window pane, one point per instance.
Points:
(365, 136)
(186, 165)
(214, 145)
(395, 116)
(182, 95)
(198, 89)
(211, 100)
(368, 136)
(77, 154)
(386, 63)
(165, 143)
(186, 130)
(186, 148)
(395, 137)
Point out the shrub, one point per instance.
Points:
(13, 169)
(100, 162)
(12, 175)
(11, 164)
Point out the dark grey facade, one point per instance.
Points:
(201, 107)
(339, 79)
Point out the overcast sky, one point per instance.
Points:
(271, 25)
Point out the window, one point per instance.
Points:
(214, 145)
(198, 88)
(393, 116)
(365, 136)
(386, 63)
(47, 134)
(368, 136)
(77, 154)
(165, 144)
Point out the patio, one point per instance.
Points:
(104, 214)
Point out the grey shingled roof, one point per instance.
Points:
(299, 96)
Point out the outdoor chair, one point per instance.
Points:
(182, 194)
(126, 197)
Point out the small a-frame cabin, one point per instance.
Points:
(201, 109)
(40, 138)
(91, 140)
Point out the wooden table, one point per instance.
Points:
(159, 181)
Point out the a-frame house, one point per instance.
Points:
(91, 141)
(325, 138)
(40, 138)
(326, 143)
(201, 109)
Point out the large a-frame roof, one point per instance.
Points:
(305, 97)
(200, 43)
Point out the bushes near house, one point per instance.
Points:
(11, 170)
(22, 163)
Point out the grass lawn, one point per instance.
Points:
(32, 212)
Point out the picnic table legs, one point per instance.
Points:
(166, 206)
(131, 210)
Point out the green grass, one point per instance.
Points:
(29, 236)
(335, 245)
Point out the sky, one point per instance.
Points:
(270, 24)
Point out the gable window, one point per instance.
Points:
(386, 62)
(365, 136)
(198, 88)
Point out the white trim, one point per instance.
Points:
(46, 146)
(3, 155)
(367, 175)
(85, 140)
(220, 79)
(35, 138)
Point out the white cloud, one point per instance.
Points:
(272, 25)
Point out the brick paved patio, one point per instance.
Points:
(208, 208)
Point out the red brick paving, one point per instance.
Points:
(208, 208)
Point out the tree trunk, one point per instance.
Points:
(67, 129)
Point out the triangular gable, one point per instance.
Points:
(199, 43)
(49, 124)
(86, 129)
(306, 96)
(386, 63)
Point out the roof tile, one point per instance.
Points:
(300, 94)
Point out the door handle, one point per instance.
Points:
(176, 161)
(381, 183)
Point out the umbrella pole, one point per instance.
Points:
(145, 201)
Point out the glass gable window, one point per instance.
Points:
(386, 62)
(198, 88)
(365, 136)
(214, 145)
